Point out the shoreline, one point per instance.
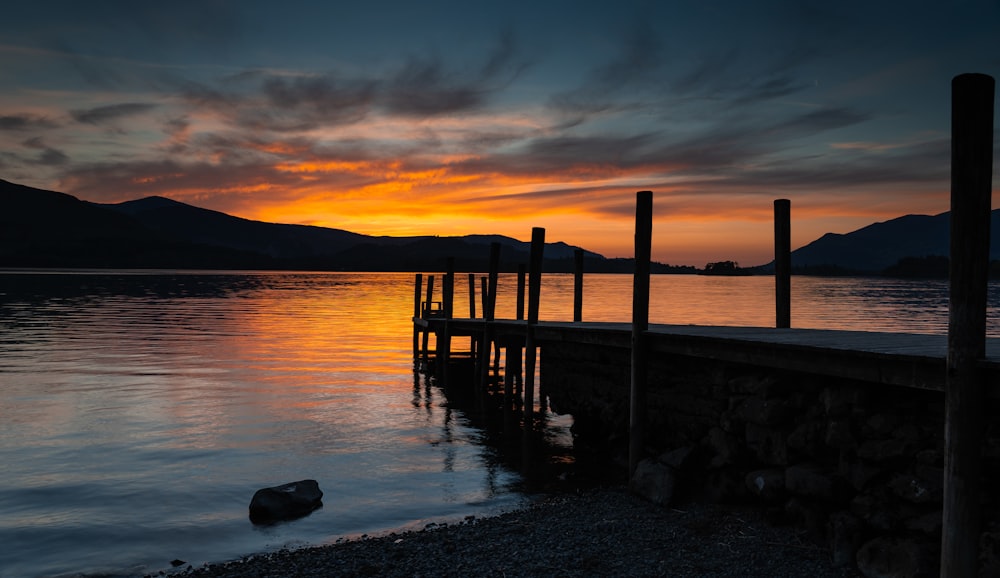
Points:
(599, 532)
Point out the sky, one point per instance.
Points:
(457, 117)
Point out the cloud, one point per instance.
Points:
(109, 113)
(25, 122)
(48, 156)
(308, 101)
(426, 87)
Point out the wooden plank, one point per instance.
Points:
(911, 360)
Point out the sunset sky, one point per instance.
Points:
(448, 118)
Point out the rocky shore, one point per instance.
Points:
(603, 532)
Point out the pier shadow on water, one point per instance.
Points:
(548, 457)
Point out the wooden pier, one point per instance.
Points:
(963, 365)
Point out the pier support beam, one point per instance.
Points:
(417, 294)
(971, 188)
(530, 349)
(426, 313)
(783, 263)
(489, 309)
(640, 324)
(578, 285)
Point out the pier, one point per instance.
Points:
(876, 442)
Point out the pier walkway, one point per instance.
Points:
(903, 359)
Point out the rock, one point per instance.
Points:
(769, 444)
(845, 538)
(838, 401)
(894, 557)
(839, 435)
(882, 450)
(768, 485)
(926, 485)
(654, 481)
(810, 481)
(766, 411)
(677, 458)
(725, 446)
(929, 523)
(860, 474)
(807, 437)
(285, 502)
(875, 510)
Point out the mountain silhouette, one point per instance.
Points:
(40, 228)
(875, 247)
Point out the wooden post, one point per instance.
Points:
(483, 293)
(427, 303)
(472, 309)
(520, 291)
(448, 305)
(578, 286)
(472, 295)
(518, 361)
(971, 187)
(488, 310)
(783, 263)
(448, 289)
(418, 287)
(530, 349)
(640, 324)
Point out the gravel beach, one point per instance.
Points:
(602, 532)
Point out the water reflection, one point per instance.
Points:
(163, 406)
(139, 411)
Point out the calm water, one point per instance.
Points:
(139, 411)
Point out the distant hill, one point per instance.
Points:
(40, 228)
(879, 246)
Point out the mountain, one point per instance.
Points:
(873, 248)
(40, 228)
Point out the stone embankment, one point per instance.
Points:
(859, 466)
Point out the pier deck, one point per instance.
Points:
(904, 359)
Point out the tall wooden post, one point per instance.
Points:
(448, 304)
(472, 310)
(578, 285)
(520, 291)
(971, 188)
(518, 361)
(530, 349)
(472, 295)
(640, 324)
(783, 263)
(417, 294)
(448, 289)
(489, 307)
(427, 303)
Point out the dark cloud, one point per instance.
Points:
(820, 120)
(427, 87)
(25, 122)
(110, 113)
(315, 100)
(424, 87)
(47, 156)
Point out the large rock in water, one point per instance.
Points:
(285, 502)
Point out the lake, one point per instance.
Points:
(140, 410)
